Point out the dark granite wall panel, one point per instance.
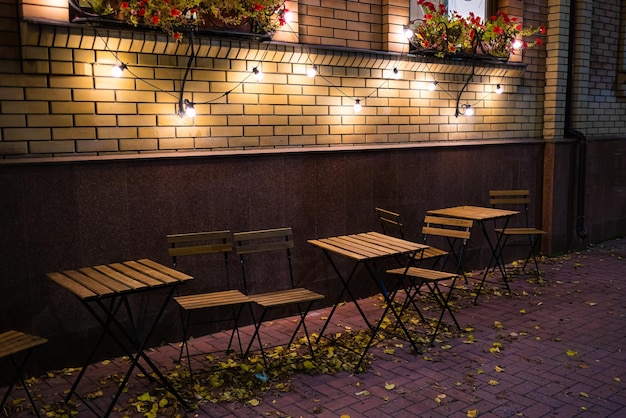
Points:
(70, 215)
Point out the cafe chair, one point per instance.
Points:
(517, 200)
(262, 248)
(455, 233)
(392, 225)
(14, 344)
(214, 243)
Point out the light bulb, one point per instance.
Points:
(312, 72)
(469, 111)
(432, 86)
(408, 32)
(517, 44)
(117, 70)
(288, 16)
(357, 105)
(190, 110)
(258, 74)
(498, 89)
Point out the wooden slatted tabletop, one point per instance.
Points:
(116, 278)
(474, 213)
(367, 246)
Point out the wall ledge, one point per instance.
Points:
(253, 152)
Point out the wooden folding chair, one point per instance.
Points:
(13, 344)
(203, 243)
(262, 245)
(392, 225)
(509, 199)
(456, 232)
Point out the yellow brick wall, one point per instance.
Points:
(64, 100)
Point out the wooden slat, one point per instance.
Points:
(120, 277)
(199, 236)
(521, 231)
(250, 248)
(112, 284)
(76, 288)
(179, 275)
(329, 246)
(357, 244)
(136, 275)
(398, 243)
(286, 297)
(423, 274)
(211, 300)
(149, 271)
(13, 342)
(199, 249)
(90, 283)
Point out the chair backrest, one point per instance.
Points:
(514, 199)
(197, 243)
(454, 231)
(389, 221)
(263, 242)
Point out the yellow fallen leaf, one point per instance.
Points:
(253, 402)
(472, 413)
(583, 394)
(345, 416)
(617, 379)
(498, 369)
(480, 371)
(522, 311)
(389, 351)
(389, 386)
(494, 382)
(571, 353)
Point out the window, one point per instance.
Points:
(482, 8)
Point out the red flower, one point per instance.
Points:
(175, 12)
(155, 20)
(258, 7)
(124, 5)
(498, 30)
(142, 12)
(539, 42)
(543, 30)
(177, 35)
(428, 16)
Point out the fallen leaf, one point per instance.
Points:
(472, 413)
(499, 369)
(617, 379)
(571, 353)
(583, 394)
(522, 311)
(494, 382)
(253, 402)
(389, 386)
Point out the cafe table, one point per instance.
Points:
(482, 215)
(104, 291)
(366, 249)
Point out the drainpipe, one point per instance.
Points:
(571, 132)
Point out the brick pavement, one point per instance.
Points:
(560, 353)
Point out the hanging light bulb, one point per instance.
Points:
(357, 105)
(432, 86)
(117, 70)
(288, 16)
(312, 72)
(258, 74)
(469, 111)
(517, 44)
(498, 89)
(190, 110)
(408, 32)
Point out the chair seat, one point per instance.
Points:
(13, 342)
(212, 299)
(283, 297)
(432, 252)
(424, 274)
(520, 231)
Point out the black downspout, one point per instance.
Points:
(571, 132)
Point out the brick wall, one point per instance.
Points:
(65, 102)
(58, 99)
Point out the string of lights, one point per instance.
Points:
(186, 107)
